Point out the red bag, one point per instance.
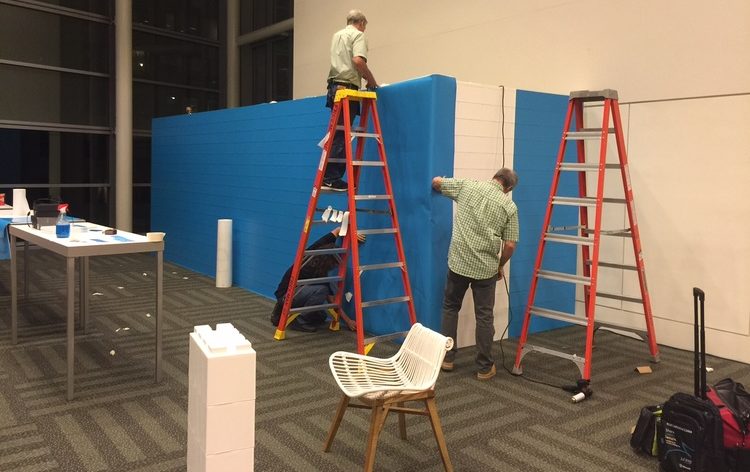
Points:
(733, 403)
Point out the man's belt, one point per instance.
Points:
(345, 84)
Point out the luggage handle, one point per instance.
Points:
(699, 298)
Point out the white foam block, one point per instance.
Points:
(224, 376)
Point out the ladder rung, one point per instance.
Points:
(574, 201)
(385, 301)
(619, 297)
(305, 309)
(321, 222)
(562, 277)
(316, 252)
(358, 134)
(378, 231)
(368, 163)
(565, 238)
(558, 315)
(387, 265)
(372, 197)
(337, 161)
(582, 167)
(586, 134)
(318, 280)
(612, 265)
(613, 200)
(385, 337)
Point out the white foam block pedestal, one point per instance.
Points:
(221, 401)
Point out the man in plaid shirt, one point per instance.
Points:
(484, 237)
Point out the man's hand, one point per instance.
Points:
(350, 324)
(500, 273)
(437, 183)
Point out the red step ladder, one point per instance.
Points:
(354, 164)
(588, 237)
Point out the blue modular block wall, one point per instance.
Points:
(539, 124)
(256, 165)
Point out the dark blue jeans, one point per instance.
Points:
(483, 291)
(311, 295)
(335, 170)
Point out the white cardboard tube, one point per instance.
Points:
(224, 254)
(20, 204)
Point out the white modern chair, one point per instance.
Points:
(383, 385)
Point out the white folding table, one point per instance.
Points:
(87, 240)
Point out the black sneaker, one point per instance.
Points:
(335, 186)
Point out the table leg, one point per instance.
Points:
(84, 294)
(26, 269)
(159, 313)
(70, 279)
(13, 291)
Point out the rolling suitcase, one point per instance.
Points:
(691, 432)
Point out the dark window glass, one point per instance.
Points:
(141, 159)
(101, 7)
(156, 100)
(42, 157)
(52, 97)
(194, 17)
(257, 14)
(44, 38)
(142, 209)
(170, 60)
(266, 70)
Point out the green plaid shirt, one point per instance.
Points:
(485, 217)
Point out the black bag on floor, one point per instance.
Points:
(644, 437)
(691, 434)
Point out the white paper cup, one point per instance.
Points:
(155, 237)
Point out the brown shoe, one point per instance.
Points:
(487, 375)
(447, 366)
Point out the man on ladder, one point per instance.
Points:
(348, 67)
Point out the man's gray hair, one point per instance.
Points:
(355, 16)
(507, 177)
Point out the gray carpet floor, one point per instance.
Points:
(122, 421)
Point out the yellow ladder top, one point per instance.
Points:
(354, 94)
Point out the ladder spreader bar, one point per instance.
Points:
(612, 265)
(386, 337)
(387, 265)
(305, 309)
(619, 297)
(385, 301)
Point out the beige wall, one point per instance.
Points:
(690, 158)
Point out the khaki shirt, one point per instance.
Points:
(346, 44)
(485, 217)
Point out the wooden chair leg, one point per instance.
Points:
(438, 430)
(402, 422)
(379, 413)
(343, 404)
